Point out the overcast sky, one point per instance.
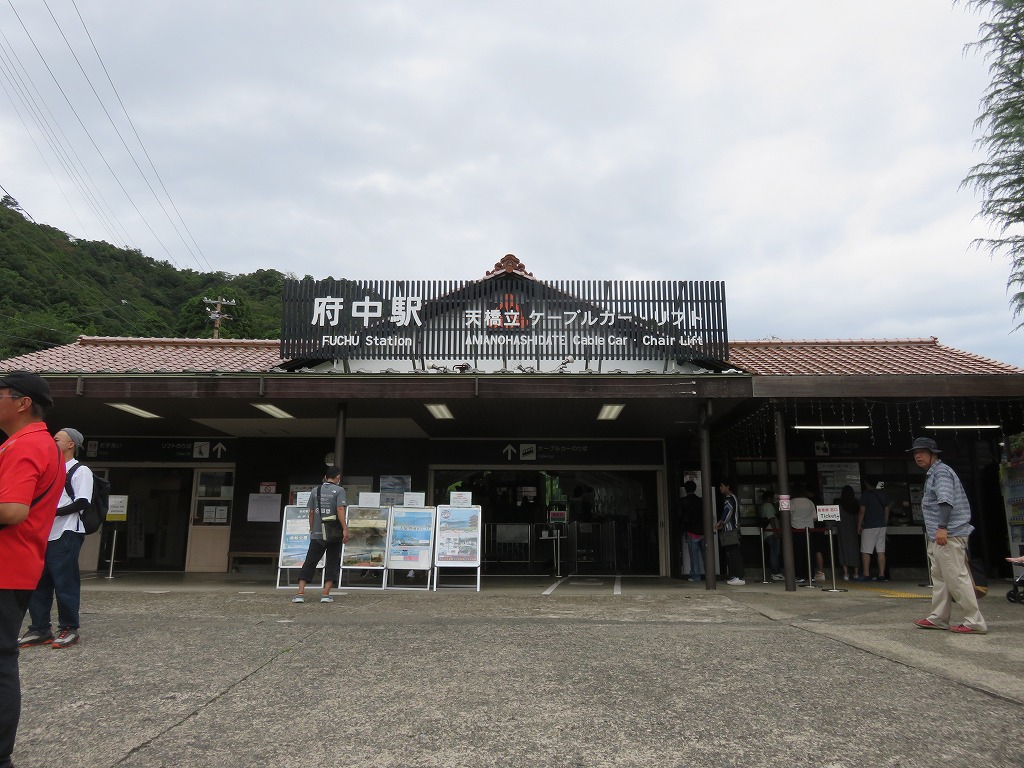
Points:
(807, 153)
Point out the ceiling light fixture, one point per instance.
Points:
(272, 410)
(134, 411)
(609, 412)
(962, 426)
(831, 426)
(438, 410)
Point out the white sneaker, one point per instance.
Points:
(734, 582)
(778, 577)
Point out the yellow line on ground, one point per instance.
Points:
(890, 592)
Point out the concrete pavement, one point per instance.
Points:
(222, 670)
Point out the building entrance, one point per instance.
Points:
(155, 535)
(610, 518)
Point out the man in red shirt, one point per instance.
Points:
(31, 480)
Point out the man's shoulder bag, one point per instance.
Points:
(330, 525)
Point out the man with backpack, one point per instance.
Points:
(61, 578)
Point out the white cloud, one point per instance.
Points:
(807, 153)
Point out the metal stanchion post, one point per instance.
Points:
(764, 567)
(927, 560)
(558, 554)
(113, 551)
(810, 570)
(832, 562)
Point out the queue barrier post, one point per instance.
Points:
(832, 560)
(927, 559)
(113, 550)
(764, 565)
(810, 570)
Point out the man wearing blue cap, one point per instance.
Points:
(947, 523)
(61, 578)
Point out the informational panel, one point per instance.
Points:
(458, 537)
(264, 507)
(367, 537)
(460, 498)
(411, 540)
(393, 488)
(295, 537)
(833, 475)
(118, 510)
(354, 486)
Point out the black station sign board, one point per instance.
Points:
(183, 450)
(504, 317)
(518, 453)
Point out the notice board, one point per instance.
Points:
(411, 540)
(367, 537)
(458, 537)
(295, 537)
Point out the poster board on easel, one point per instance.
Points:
(366, 548)
(411, 540)
(458, 539)
(294, 543)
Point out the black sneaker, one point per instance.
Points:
(33, 637)
(66, 638)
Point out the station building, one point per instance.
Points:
(595, 399)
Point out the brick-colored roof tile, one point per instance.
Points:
(100, 354)
(852, 357)
(822, 357)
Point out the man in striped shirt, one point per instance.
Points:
(947, 523)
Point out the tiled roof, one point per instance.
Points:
(853, 357)
(99, 354)
(832, 357)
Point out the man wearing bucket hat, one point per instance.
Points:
(947, 522)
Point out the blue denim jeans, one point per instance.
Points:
(695, 548)
(60, 579)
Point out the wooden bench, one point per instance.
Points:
(240, 555)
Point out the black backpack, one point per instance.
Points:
(96, 513)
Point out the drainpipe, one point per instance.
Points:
(339, 439)
(785, 517)
(705, 490)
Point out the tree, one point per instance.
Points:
(1000, 178)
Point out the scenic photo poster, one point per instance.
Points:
(295, 537)
(412, 538)
(367, 537)
(458, 537)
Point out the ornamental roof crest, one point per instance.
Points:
(509, 265)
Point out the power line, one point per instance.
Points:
(22, 83)
(92, 140)
(118, 131)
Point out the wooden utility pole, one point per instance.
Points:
(217, 314)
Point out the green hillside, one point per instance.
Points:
(56, 288)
